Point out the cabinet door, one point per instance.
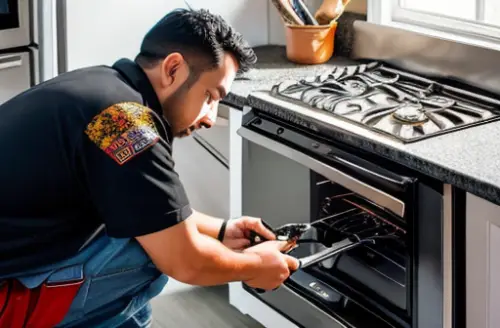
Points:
(216, 139)
(205, 179)
(15, 74)
(483, 263)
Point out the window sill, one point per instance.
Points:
(455, 37)
(389, 14)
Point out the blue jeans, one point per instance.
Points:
(142, 319)
(120, 280)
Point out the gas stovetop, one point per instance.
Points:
(389, 101)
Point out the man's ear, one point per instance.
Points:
(170, 67)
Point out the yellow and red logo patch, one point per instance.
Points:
(123, 131)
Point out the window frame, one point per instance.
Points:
(390, 13)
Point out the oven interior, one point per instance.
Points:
(373, 276)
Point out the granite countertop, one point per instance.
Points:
(468, 158)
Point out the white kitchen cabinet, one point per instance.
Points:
(483, 263)
(201, 162)
(205, 179)
(216, 139)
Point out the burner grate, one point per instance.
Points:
(405, 106)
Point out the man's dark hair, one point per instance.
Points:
(200, 36)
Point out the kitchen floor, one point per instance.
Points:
(181, 305)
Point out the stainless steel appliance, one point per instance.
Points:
(19, 61)
(345, 193)
(296, 168)
(16, 24)
(385, 99)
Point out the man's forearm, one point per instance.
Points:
(208, 225)
(219, 265)
(187, 255)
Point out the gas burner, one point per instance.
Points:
(439, 101)
(392, 102)
(410, 113)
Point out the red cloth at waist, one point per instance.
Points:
(41, 307)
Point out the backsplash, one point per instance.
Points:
(357, 6)
(344, 36)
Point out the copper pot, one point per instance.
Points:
(310, 44)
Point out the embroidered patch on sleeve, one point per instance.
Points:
(123, 131)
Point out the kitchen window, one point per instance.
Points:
(474, 22)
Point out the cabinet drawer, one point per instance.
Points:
(216, 139)
(15, 74)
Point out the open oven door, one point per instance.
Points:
(381, 186)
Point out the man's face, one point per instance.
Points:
(190, 105)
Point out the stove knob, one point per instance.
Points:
(331, 153)
(280, 131)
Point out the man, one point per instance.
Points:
(93, 216)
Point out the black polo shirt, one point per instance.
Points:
(87, 148)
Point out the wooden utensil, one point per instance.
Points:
(330, 11)
(286, 12)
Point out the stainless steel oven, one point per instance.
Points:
(16, 27)
(19, 54)
(292, 175)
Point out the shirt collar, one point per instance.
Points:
(136, 77)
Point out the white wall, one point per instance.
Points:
(116, 29)
(102, 31)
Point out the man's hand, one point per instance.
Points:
(275, 266)
(237, 236)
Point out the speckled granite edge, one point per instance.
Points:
(234, 100)
(434, 170)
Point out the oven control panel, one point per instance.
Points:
(319, 289)
(316, 288)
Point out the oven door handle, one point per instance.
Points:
(369, 192)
